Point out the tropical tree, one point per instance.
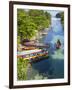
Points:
(40, 18)
(62, 18)
(30, 21)
(26, 27)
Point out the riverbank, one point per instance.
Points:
(35, 42)
(22, 68)
(42, 33)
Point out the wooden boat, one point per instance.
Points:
(58, 44)
(34, 55)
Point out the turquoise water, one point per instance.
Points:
(53, 67)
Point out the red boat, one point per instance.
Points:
(58, 44)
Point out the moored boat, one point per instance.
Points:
(34, 55)
(58, 44)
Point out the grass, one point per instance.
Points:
(22, 69)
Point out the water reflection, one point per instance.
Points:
(47, 69)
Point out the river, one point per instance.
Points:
(53, 67)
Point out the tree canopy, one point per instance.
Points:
(30, 21)
(61, 15)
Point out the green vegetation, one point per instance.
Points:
(31, 21)
(18, 43)
(25, 25)
(61, 15)
(40, 18)
(22, 69)
(62, 18)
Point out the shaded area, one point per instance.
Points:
(50, 69)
